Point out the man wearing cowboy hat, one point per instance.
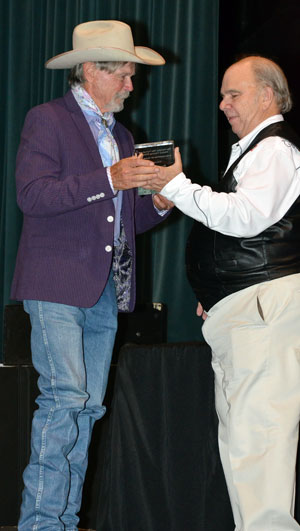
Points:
(77, 184)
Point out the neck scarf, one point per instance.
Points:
(103, 123)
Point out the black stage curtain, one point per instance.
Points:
(161, 466)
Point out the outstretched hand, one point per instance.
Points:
(165, 174)
(132, 172)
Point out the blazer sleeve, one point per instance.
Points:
(146, 215)
(55, 172)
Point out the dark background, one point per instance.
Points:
(262, 27)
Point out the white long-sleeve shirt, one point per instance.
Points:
(268, 183)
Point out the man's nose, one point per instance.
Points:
(222, 104)
(129, 85)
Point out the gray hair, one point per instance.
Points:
(76, 75)
(268, 73)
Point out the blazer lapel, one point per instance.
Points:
(82, 126)
(84, 130)
(121, 145)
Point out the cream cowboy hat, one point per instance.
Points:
(104, 40)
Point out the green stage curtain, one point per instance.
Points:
(177, 101)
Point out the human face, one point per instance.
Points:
(243, 100)
(109, 89)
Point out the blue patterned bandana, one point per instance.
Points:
(104, 123)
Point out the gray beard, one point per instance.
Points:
(114, 106)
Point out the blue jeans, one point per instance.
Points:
(71, 351)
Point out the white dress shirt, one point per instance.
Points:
(268, 183)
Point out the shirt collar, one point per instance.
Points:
(244, 142)
(90, 108)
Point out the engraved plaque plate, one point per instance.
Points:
(161, 153)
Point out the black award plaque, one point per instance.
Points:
(161, 153)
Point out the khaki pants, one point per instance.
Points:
(255, 338)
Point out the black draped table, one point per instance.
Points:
(153, 462)
(161, 469)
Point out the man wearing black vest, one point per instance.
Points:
(243, 262)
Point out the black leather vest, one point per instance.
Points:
(218, 265)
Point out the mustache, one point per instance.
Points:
(125, 94)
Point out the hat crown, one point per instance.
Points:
(103, 33)
(104, 40)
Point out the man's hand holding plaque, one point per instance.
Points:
(161, 153)
(165, 174)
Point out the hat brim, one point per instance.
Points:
(69, 59)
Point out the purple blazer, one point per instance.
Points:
(65, 250)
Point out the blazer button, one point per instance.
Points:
(110, 219)
(108, 248)
(102, 194)
(89, 199)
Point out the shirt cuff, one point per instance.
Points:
(160, 212)
(110, 179)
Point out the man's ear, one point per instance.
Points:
(88, 71)
(268, 97)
